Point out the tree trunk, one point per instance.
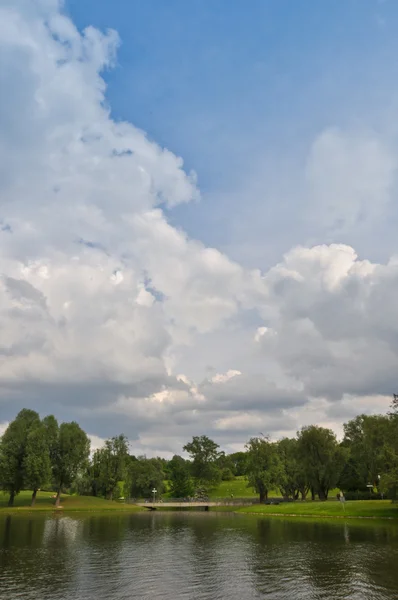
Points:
(58, 498)
(263, 496)
(11, 500)
(33, 498)
(312, 493)
(303, 494)
(323, 495)
(110, 495)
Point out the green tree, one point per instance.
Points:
(204, 454)
(180, 478)
(37, 461)
(292, 478)
(226, 466)
(322, 457)
(52, 431)
(71, 452)
(111, 463)
(388, 482)
(366, 436)
(238, 460)
(13, 452)
(263, 465)
(146, 474)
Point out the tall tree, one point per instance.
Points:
(37, 461)
(13, 452)
(71, 452)
(322, 458)
(263, 465)
(180, 478)
(204, 454)
(388, 482)
(365, 436)
(292, 478)
(146, 474)
(52, 430)
(111, 462)
(238, 460)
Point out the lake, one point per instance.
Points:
(195, 556)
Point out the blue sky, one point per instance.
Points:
(241, 89)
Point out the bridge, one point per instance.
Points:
(205, 504)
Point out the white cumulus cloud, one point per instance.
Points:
(113, 317)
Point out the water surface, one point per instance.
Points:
(195, 556)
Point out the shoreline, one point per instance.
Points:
(314, 516)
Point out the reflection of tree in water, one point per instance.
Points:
(353, 562)
(290, 557)
(102, 560)
(21, 543)
(53, 557)
(195, 551)
(316, 559)
(156, 555)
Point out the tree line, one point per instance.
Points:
(42, 454)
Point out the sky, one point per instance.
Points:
(198, 215)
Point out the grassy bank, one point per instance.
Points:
(238, 488)
(377, 509)
(45, 502)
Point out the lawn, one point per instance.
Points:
(44, 501)
(358, 508)
(237, 487)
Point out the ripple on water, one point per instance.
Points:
(194, 556)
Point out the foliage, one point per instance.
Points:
(366, 436)
(71, 452)
(37, 461)
(37, 454)
(146, 474)
(204, 454)
(13, 448)
(111, 463)
(227, 475)
(292, 479)
(263, 465)
(322, 458)
(388, 482)
(181, 484)
(238, 460)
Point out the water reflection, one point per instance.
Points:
(201, 556)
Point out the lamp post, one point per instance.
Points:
(154, 494)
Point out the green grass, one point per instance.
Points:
(358, 508)
(237, 487)
(45, 502)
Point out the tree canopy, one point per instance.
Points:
(37, 453)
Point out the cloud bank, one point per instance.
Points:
(111, 316)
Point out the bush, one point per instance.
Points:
(227, 475)
(361, 495)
